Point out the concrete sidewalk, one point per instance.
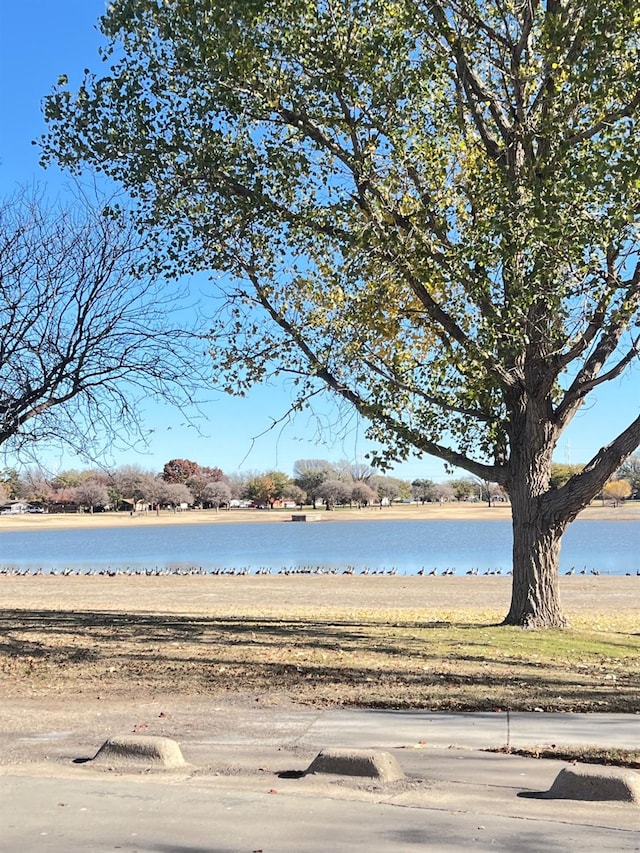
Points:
(475, 730)
(239, 792)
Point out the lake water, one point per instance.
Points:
(406, 546)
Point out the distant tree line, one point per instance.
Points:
(314, 482)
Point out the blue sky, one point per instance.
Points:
(40, 39)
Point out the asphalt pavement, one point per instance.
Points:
(243, 787)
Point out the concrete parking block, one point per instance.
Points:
(139, 750)
(375, 764)
(588, 782)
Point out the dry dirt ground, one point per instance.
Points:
(379, 641)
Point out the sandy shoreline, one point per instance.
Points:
(429, 512)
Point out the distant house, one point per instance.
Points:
(132, 505)
(14, 508)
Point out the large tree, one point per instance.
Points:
(179, 470)
(427, 206)
(267, 488)
(83, 336)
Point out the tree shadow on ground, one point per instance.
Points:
(351, 662)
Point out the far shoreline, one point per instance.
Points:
(404, 512)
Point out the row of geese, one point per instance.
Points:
(247, 570)
(235, 572)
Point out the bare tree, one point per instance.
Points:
(353, 471)
(237, 483)
(130, 483)
(84, 336)
(177, 494)
(388, 488)
(445, 492)
(216, 493)
(154, 490)
(91, 493)
(334, 492)
(363, 495)
(35, 486)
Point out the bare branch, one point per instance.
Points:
(83, 337)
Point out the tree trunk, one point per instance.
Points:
(535, 597)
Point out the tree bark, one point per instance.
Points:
(537, 526)
(535, 595)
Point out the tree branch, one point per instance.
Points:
(567, 501)
(587, 377)
(494, 473)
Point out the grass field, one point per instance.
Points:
(392, 642)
